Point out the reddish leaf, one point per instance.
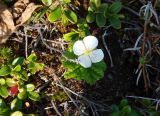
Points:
(13, 90)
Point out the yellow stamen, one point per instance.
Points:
(88, 52)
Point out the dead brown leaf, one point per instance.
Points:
(19, 7)
(27, 13)
(6, 23)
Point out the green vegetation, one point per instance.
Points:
(15, 82)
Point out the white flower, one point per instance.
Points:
(87, 52)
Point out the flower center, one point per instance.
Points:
(88, 52)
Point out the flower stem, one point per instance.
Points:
(143, 54)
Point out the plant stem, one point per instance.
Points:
(145, 78)
(143, 54)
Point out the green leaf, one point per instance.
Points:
(40, 66)
(115, 22)
(21, 83)
(72, 17)
(6, 53)
(5, 70)
(17, 113)
(4, 110)
(40, 14)
(92, 7)
(123, 103)
(33, 96)
(18, 61)
(90, 17)
(10, 82)
(23, 75)
(146, 102)
(32, 67)
(67, 1)
(22, 95)
(135, 113)
(70, 55)
(47, 2)
(29, 87)
(114, 108)
(2, 104)
(70, 36)
(116, 114)
(35, 67)
(154, 113)
(126, 110)
(17, 68)
(55, 15)
(2, 81)
(102, 8)
(97, 3)
(115, 7)
(32, 57)
(90, 75)
(16, 104)
(3, 91)
(64, 20)
(100, 19)
(83, 28)
(94, 4)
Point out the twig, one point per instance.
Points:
(132, 29)
(56, 42)
(15, 39)
(43, 86)
(55, 108)
(106, 47)
(138, 77)
(22, 34)
(26, 42)
(47, 108)
(66, 90)
(146, 98)
(54, 75)
(39, 29)
(132, 49)
(54, 49)
(51, 48)
(92, 110)
(91, 102)
(150, 66)
(132, 11)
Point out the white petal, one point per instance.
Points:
(79, 48)
(97, 55)
(84, 61)
(90, 42)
